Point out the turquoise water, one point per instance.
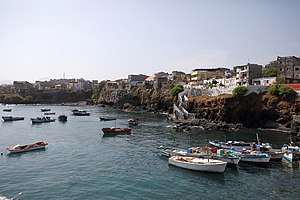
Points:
(79, 164)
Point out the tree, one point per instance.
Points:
(98, 88)
(240, 91)
(176, 90)
(269, 72)
(282, 91)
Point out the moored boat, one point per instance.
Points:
(203, 152)
(107, 118)
(11, 118)
(231, 144)
(7, 110)
(62, 118)
(27, 147)
(45, 109)
(254, 157)
(80, 112)
(291, 152)
(110, 132)
(198, 164)
(133, 121)
(39, 120)
(49, 113)
(276, 154)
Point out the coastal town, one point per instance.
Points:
(153, 94)
(149, 100)
(283, 70)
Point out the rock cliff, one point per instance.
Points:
(253, 111)
(137, 99)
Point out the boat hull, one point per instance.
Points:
(169, 152)
(107, 118)
(198, 164)
(262, 160)
(37, 121)
(225, 145)
(111, 132)
(9, 118)
(230, 161)
(29, 147)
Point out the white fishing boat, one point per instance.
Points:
(291, 152)
(8, 198)
(231, 144)
(276, 154)
(133, 121)
(39, 120)
(203, 152)
(198, 164)
(80, 112)
(27, 147)
(253, 157)
(45, 109)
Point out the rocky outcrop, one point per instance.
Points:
(253, 111)
(137, 99)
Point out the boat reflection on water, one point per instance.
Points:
(290, 167)
(26, 152)
(196, 176)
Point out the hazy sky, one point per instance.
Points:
(110, 39)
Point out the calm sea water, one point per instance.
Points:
(79, 164)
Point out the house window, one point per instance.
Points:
(281, 69)
(297, 69)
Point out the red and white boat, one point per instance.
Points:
(110, 132)
(27, 147)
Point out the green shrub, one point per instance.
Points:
(176, 90)
(270, 72)
(240, 91)
(281, 91)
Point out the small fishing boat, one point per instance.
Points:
(11, 118)
(45, 109)
(7, 110)
(62, 118)
(198, 164)
(80, 112)
(49, 113)
(133, 121)
(231, 144)
(276, 154)
(291, 152)
(39, 120)
(8, 198)
(27, 147)
(111, 132)
(255, 157)
(203, 152)
(107, 118)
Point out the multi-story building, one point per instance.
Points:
(264, 81)
(288, 68)
(136, 80)
(245, 73)
(199, 75)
